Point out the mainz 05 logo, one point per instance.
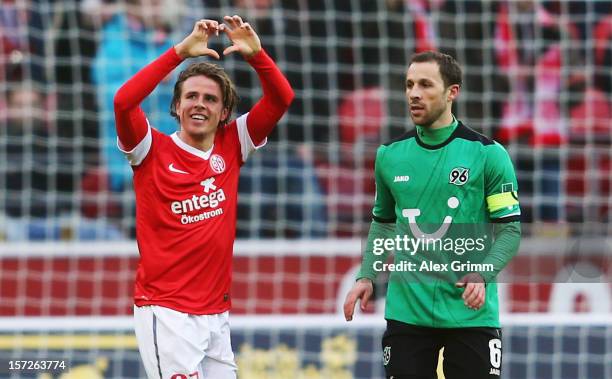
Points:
(459, 176)
(217, 163)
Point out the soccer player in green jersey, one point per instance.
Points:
(447, 206)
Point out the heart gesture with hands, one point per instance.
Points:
(196, 43)
(241, 34)
(243, 37)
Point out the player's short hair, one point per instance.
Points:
(449, 68)
(214, 72)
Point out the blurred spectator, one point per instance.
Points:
(590, 117)
(348, 182)
(131, 38)
(530, 53)
(8, 54)
(73, 53)
(75, 124)
(22, 30)
(532, 49)
(424, 31)
(280, 190)
(602, 33)
(24, 144)
(284, 27)
(591, 134)
(385, 40)
(286, 196)
(464, 38)
(36, 197)
(372, 106)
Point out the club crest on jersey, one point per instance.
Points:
(217, 163)
(459, 176)
(386, 355)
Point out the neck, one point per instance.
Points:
(438, 135)
(204, 143)
(445, 120)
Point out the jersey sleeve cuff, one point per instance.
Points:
(140, 151)
(364, 274)
(172, 56)
(507, 219)
(383, 220)
(246, 143)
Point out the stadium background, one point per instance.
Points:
(537, 77)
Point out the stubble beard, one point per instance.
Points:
(431, 117)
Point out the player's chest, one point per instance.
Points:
(179, 175)
(436, 173)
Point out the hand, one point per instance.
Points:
(362, 290)
(196, 44)
(243, 37)
(474, 293)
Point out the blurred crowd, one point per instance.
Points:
(537, 74)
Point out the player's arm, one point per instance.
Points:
(504, 210)
(501, 191)
(130, 120)
(277, 92)
(381, 228)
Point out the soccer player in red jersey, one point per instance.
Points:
(186, 187)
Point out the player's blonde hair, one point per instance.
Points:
(214, 72)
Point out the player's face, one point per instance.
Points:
(428, 98)
(200, 107)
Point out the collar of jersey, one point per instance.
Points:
(190, 149)
(427, 138)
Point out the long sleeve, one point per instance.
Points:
(277, 96)
(130, 120)
(505, 247)
(383, 222)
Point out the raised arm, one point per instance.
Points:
(277, 92)
(130, 120)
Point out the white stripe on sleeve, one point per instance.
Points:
(246, 143)
(140, 151)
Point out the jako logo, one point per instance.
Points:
(412, 214)
(399, 178)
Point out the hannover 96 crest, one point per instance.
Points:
(459, 176)
(386, 355)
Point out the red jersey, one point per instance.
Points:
(186, 198)
(186, 218)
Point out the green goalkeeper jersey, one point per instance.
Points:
(446, 194)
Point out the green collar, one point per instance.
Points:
(436, 136)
